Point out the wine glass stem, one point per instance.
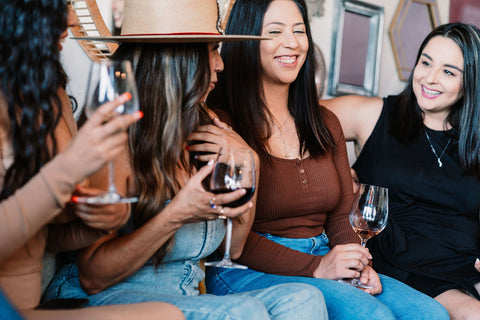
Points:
(111, 178)
(228, 239)
(363, 242)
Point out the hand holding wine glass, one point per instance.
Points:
(107, 81)
(234, 169)
(368, 217)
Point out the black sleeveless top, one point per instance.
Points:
(433, 233)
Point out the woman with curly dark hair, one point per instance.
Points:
(42, 158)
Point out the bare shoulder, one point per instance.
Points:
(353, 104)
(357, 115)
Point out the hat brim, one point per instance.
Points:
(172, 38)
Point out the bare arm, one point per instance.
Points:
(113, 258)
(358, 116)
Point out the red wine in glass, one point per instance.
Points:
(234, 169)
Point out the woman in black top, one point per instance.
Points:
(424, 145)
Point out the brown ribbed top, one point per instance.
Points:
(301, 199)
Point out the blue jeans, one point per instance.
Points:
(6, 310)
(397, 300)
(176, 282)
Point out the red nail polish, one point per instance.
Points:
(140, 114)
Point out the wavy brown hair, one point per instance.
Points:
(172, 81)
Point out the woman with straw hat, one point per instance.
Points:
(173, 47)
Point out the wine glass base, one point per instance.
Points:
(356, 283)
(106, 198)
(225, 264)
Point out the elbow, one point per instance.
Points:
(236, 253)
(91, 285)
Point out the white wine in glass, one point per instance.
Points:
(107, 81)
(368, 217)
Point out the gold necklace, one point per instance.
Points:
(285, 150)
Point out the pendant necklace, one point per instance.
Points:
(287, 154)
(440, 164)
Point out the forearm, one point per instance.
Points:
(71, 236)
(35, 204)
(259, 253)
(114, 258)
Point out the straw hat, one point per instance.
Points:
(171, 21)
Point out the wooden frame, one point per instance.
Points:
(356, 44)
(412, 21)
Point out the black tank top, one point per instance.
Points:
(433, 233)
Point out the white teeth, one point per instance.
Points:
(432, 92)
(286, 60)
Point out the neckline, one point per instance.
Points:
(284, 159)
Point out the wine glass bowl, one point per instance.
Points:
(234, 169)
(368, 216)
(369, 213)
(107, 81)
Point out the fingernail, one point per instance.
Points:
(139, 114)
(187, 147)
(127, 96)
(210, 162)
(75, 198)
(477, 262)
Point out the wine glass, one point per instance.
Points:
(368, 217)
(107, 81)
(234, 169)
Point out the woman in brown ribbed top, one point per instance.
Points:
(40, 163)
(301, 231)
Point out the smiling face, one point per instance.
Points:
(438, 78)
(282, 57)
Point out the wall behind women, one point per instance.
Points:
(390, 83)
(77, 63)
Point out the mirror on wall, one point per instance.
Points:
(412, 22)
(356, 49)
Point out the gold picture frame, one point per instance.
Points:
(412, 21)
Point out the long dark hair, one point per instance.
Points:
(31, 74)
(172, 81)
(464, 116)
(240, 92)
